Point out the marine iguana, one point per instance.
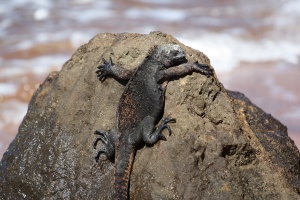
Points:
(141, 107)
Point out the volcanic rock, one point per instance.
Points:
(223, 146)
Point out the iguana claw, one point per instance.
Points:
(104, 70)
(102, 136)
(165, 122)
(98, 155)
(108, 139)
(202, 69)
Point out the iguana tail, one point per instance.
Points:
(124, 161)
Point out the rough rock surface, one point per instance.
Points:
(223, 146)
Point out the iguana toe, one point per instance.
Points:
(104, 70)
(162, 137)
(164, 124)
(203, 69)
(168, 120)
(102, 136)
(98, 155)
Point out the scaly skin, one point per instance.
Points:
(141, 107)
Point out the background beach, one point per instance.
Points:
(253, 46)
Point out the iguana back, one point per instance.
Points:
(141, 107)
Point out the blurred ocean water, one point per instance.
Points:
(253, 45)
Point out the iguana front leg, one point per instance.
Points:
(115, 71)
(182, 70)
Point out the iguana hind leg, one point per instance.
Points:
(148, 133)
(164, 125)
(109, 140)
(151, 137)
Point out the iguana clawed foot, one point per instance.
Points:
(102, 136)
(164, 125)
(104, 70)
(108, 140)
(202, 69)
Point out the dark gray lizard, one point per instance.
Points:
(141, 107)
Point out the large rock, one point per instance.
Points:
(223, 146)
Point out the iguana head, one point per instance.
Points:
(170, 55)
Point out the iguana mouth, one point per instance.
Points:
(179, 60)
